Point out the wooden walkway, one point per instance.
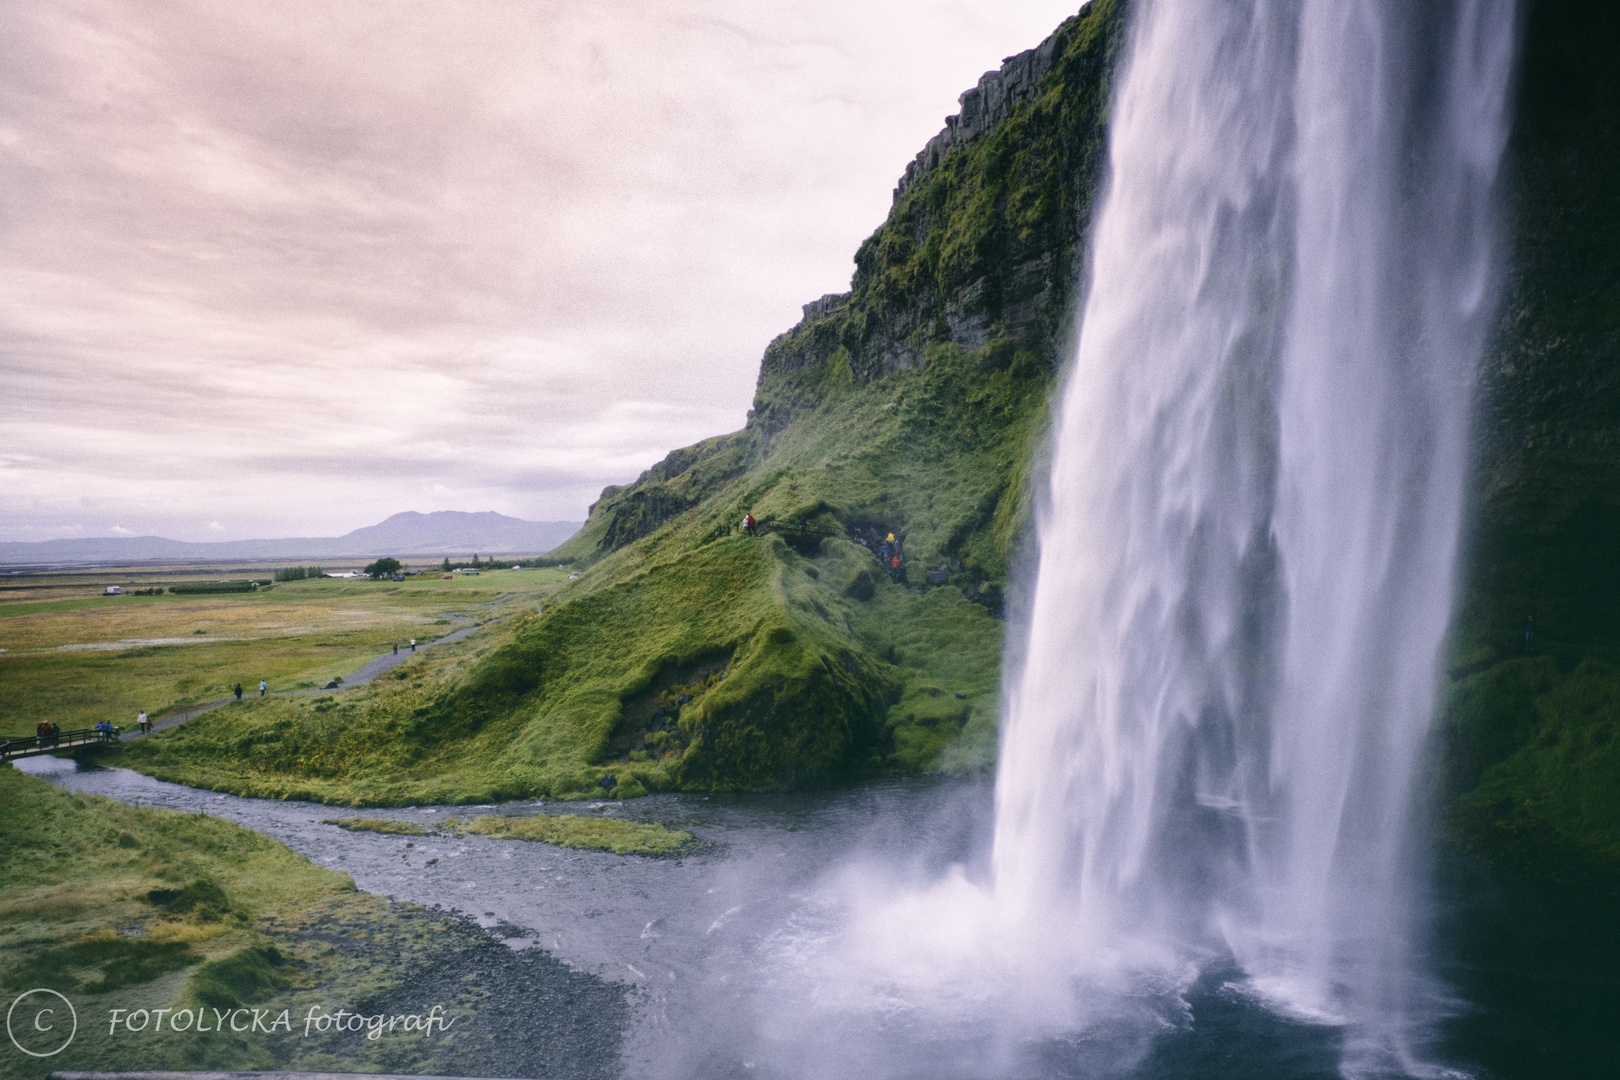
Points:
(33, 745)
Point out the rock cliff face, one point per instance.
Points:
(1549, 422)
(984, 107)
(984, 241)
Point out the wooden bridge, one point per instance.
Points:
(34, 745)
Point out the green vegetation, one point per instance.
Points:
(528, 562)
(1538, 763)
(298, 573)
(688, 656)
(383, 568)
(1532, 763)
(200, 588)
(378, 825)
(78, 658)
(115, 905)
(128, 908)
(564, 830)
(794, 668)
(585, 833)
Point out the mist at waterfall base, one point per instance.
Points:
(1215, 726)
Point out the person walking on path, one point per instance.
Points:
(238, 691)
(140, 722)
(413, 644)
(396, 648)
(262, 688)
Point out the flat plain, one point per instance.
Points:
(74, 656)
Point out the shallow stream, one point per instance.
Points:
(729, 962)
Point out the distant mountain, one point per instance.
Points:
(444, 532)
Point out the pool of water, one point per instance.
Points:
(739, 961)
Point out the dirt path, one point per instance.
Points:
(366, 673)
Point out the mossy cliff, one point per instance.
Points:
(1532, 763)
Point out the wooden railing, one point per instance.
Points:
(32, 745)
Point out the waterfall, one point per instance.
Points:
(1248, 548)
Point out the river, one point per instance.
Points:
(729, 958)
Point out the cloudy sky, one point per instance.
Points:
(286, 268)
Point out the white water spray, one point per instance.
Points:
(1246, 565)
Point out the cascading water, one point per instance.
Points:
(1246, 562)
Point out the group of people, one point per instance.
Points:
(49, 733)
(889, 549)
(891, 558)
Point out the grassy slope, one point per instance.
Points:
(802, 661)
(75, 872)
(123, 907)
(792, 677)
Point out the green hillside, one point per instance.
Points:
(690, 655)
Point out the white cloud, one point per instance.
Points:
(299, 266)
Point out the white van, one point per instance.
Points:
(114, 590)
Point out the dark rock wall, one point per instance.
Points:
(1548, 434)
(1530, 725)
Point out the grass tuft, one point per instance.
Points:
(584, 833)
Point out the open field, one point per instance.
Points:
(73, 656)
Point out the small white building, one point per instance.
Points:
(114, 590)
